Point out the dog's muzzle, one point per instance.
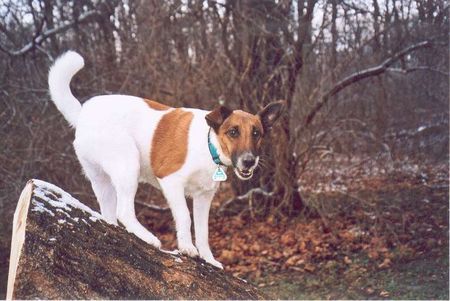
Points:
(245, 166)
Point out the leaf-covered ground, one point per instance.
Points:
(379, 235)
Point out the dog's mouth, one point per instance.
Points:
(243, 174)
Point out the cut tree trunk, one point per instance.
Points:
(61, 249)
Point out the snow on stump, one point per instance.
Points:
(61, 249)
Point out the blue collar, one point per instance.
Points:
(213, 150)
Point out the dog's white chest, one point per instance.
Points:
(201, 182)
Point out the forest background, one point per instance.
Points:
(354, 180)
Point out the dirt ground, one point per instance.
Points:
(382, 236)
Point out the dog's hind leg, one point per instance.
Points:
(103, 189)
(114, 173)
(124, 173)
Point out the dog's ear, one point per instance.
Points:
(217, 116)
(270, 113)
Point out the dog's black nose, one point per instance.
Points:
(248, 162)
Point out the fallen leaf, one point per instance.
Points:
(373, 254)
(309, 267)
(293, 260)
(302, 246)
(288, 238)
(385, 264)
(347, 260)
(255, 248)
(288, 252)
(228, 257)
(278, 255)
(331, 264)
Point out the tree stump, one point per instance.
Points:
(61, 249)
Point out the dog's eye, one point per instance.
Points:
(256, 134)
(233, 132)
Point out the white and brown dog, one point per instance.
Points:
(121, 140)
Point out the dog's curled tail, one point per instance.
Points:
(59, 77)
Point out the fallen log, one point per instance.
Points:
(61, 249)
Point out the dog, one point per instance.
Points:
(122, 140)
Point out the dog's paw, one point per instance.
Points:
(188, 249)
(156, 243)
(206, 254)
(152, 240)
(214, 263)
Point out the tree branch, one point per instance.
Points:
(48, 33)
(417, 68)
(151, 206)
(363, 74)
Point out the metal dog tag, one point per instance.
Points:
(219, 175)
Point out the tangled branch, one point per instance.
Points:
(363, 74)
(39, 39)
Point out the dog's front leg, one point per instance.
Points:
(202, 204)
(174, 193)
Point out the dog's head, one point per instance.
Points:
(240, 134)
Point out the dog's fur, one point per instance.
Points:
(121, 140)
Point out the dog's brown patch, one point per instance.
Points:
(156, 105)
(170, 142)
(245, 123)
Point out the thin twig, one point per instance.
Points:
(151, 206)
